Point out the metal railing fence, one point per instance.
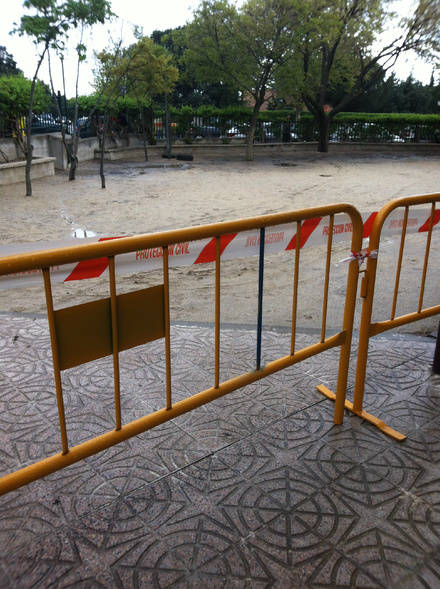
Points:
(219, 128)
(123, 321)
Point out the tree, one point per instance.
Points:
(48, 26)
(336, 50)
(83, 14)
(8, 65)
(15, 93)
(188, 90)
(243, 49)
(144, 70)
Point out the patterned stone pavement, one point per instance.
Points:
(257, 489)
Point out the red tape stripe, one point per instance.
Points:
(90, 268)
(436, 219)
(208, 253)
(368, 225)
(307, 228)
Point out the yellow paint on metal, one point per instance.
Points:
(90, 447)
(369, 329)
(55, 359)
(84, 332)
(367, 416)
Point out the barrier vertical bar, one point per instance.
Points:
(425, 263)
(55, 359)
(260, 297)
(295, 287)
(115, 342)
(364, 335)
(347, 328)
(399, 263)
(327, 277)
(217, 312)
(167, 325)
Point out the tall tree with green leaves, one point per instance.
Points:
(144, 70)
(242, 47)
(341, 52)
(83, 14)
(47, 25)
(189, 91)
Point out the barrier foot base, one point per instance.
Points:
(389, 431)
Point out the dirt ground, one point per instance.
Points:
(139, 199)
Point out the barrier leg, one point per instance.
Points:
(344, 357)
(367, 290)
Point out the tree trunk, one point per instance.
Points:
(57, 100)
(29, 150)
(323, 127)
(144, 132)
(75, 137)
(29, 146)
(4, 156)
(73, 156)
(101, 158)
(150, 125)
(251, 133)
(167, 128)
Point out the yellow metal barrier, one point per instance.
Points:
(369, 329)
(114, 325)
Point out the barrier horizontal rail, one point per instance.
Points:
(114, 324)
(369, 329)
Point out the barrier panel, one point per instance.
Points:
(120, 322)
(369, 329)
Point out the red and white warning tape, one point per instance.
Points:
(280, 238)
(360, 256)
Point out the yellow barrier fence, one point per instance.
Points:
(120, 322)
(369, 329)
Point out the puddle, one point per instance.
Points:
(80, 233)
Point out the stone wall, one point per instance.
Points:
(14, 172)
(238, 149)
(51, 145)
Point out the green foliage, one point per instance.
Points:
(188, 90)
(8, 65)
(87, 12)
(140, 72)
(399, 118)
(52, 19)
(339, 53)
(15, 95)
(47, 25)
(240, 48)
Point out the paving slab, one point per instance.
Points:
(257, 489)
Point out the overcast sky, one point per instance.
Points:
(149, 14)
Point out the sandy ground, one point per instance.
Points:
(139, 199)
